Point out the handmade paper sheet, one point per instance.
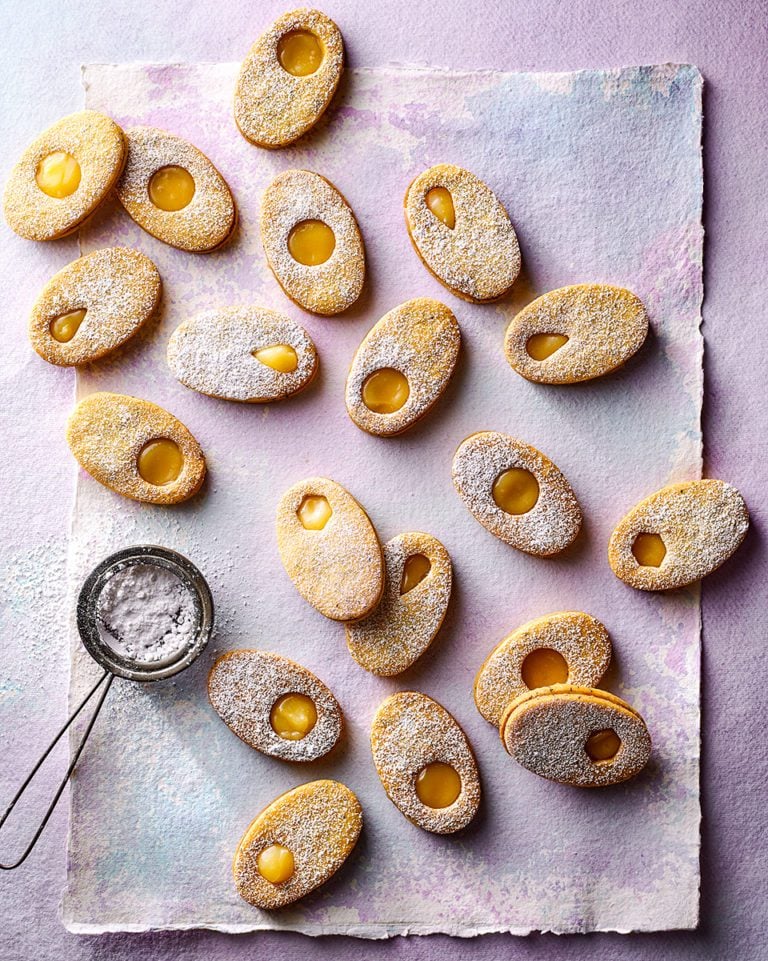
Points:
(601, 174)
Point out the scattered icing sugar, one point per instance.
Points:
(146, 613)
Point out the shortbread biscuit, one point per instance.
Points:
(288, 78)
(416, 596)
(678, 535)
(64, 175)
(462, 233)
(516, 493)
(567, 647)
(94, 305)
(402, 367)
(135, 448)
(297, 843)
(174, 192)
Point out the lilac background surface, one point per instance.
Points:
(727, 42)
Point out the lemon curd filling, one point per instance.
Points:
(300, 53)
(385, 391)
(171, 188)
(516, 491)
(160, 461)
(543, 667)
(58, 175)
(275, 864)
(314, 512)
(603, 745)
(280, 357)
(541, 346)
(311, 242)
(64, 328)
(416, 568)
(440, 202)
(438, 785)
(649, 550)
(293, 716)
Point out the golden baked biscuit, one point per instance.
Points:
(64, 175)
(135, 448)
(567, 647)
(246, 354)
(94, 305)
(288, 78)
(576, 735)
(275, 705)
(516, 493)
(462, 233)
(174, 192)
(678, 535)
(297, 843)
(402, 367)
(312, 242)
(416, 596)
(425, 762)
(576, 333)
(329, 549)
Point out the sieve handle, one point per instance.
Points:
(78, 751)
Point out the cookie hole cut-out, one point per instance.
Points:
(438, 785)
(440, 202)
(541, 346)
(314, 512)
(280, 357)
(276, 864)
(415, 569)
(160, 461)
(171, 188)
(293, 716)
(64, 328)
(516, 491)
(58, 175)
(649, 550)
(544, 667)
(385, 391)
(603, 745)
(300, 53)
(311, 243)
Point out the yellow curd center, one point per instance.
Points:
(280, 357)
(275, 864)
(438, 785)
(385, 391)
(293, 716)
(300, 52)
(416, 568)
(311, 243)
(440, 202)
(649, 550)
(314, 512)
(541, 346)
(516, 491)
(58, 175)
(603, 745)
(171, 188)
(543, 667)
(65, 327)
(160, 461)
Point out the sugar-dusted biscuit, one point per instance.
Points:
(567, 647)
(329, 549)
(297, 843)
(243, 353)
(425, 762)
(416, 596)
(275, 705)
(462, 233)
(576, 333)
(576, 735)
(288, 78)
(402, 366)
(94, 305)
(135, 448)
(516, 493)
(174, 192)
(312, 242)
(678, 535)
(64, 175)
